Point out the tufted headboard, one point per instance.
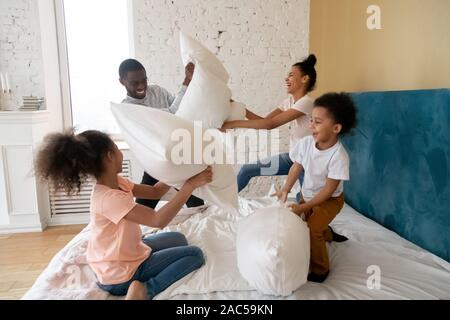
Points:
(400, 164)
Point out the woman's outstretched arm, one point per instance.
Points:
(276, 121)
(251, 116)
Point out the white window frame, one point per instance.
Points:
(64, 63)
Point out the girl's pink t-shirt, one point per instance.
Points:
(115, 248)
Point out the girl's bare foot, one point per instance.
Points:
(137, 291)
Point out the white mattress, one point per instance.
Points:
(406, 271)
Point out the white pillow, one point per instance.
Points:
(273, 250)
(148, 133)
(193, 51)
(207, 99)
(237, 112)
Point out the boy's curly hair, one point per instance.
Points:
(341, 107)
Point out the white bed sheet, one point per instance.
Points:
(406, 271)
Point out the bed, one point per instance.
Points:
(406, 271)
(396, 216)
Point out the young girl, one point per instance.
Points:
(124, 263)
(296, 109)
(326, 164)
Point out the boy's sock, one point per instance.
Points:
(337, 237)
(317, 277)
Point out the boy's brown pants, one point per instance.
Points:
(318, 219)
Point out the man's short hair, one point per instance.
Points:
(129, 65)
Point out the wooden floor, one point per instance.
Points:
(24, 256)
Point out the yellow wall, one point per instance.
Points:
(411, 51)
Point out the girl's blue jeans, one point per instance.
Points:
(170, 260)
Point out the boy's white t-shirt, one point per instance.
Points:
(299, 127)
(319, 165)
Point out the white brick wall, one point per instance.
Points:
(20, 47)
(256, 40)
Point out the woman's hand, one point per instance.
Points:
(200, 179)
(227, 125)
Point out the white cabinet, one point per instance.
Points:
(24, 201)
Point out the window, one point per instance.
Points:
(93, 40)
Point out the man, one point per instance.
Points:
(134, 78)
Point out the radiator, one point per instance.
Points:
(61, 203)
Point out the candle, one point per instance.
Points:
(8, 87)
(3, 81)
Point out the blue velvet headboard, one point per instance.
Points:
(400, 164)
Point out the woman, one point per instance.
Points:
(296, 110)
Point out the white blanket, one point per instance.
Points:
(407, 271)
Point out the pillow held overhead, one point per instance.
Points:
(193, 51)
(207, 99)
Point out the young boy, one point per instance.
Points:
(133, 77)
(326, 165)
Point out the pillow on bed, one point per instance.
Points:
(148, 133)
(237, 111)
(193, 51)
(207, 99)
(272, 248)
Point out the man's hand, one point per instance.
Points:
(189, 73)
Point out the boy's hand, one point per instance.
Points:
(281, 195)
(296, 208)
